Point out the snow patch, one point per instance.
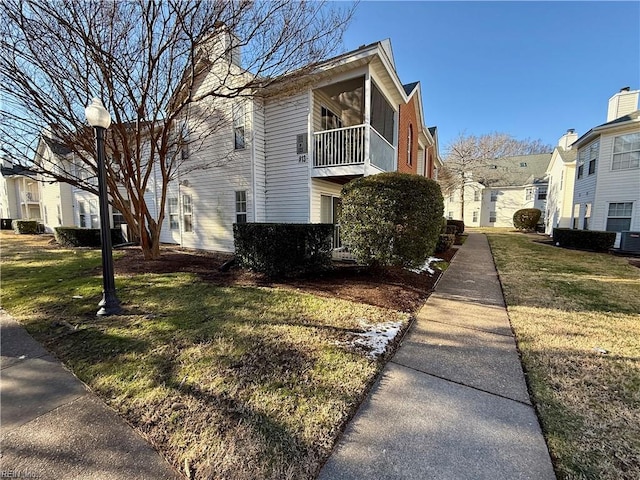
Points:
(376, 337)
(426, 267)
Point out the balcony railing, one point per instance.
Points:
(30, 197)
(338, 147)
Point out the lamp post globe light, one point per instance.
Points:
(99, 119)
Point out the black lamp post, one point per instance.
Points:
(99, 119)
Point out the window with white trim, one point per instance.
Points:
(241, 206)
(116, 216)
(626, 152)
(410, 145)
(328, 119)
(82, 214)
(59, 214)
(475, 217)
(494, 195)
(476, 195)
(529, 194)
(587, 216)
(174, 219)
(576, 216)
(619, 216)
(187, 213)
(238, 125)
(542, 193)
(93, 212)
(492, 217)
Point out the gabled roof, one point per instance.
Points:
(16, 170)
(410, 87)
(514, 171)
(618, 122)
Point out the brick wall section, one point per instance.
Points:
(408, 117)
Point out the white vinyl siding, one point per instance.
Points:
(287, 178)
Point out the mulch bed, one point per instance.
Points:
(395, 288)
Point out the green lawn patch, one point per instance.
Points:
(575, 316)
(228, 382)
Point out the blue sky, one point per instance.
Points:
(531, 69)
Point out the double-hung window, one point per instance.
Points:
(542, 193)
(174, 219)
(187, 213)
(626, 152)
(241, 206)
(492, 217)
(82, 214)
(494, 195)
(238, 126)
(619, 216)
(93, 211)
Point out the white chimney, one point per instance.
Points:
(622, 103)
(567, 139)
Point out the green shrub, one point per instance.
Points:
(526, 218)
(584, 239)
(281, 249)
(457, 223)
(84, 237)
(25, 227)
(391, 218)
(445, 242)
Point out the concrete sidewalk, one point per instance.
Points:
(452, 403)
(52, 427)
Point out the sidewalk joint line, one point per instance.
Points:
(471, 328)
(462, 384)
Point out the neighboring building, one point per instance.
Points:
(417, 145)
(495, 192)
(561, 177)
(19, 193)
(607, 182)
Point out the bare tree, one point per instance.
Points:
(146, 60)
(469, 155)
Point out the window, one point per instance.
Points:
(476, 195)
(587, 216)
(46, 216)
(561, 179)
(529, 194)
(241, 207)
(492, 217)
(626, 151)
(523, 164)
(187, 213)
(588, 155)
(329, 120)
(410, 145)
(93, 211)
(494, 195)
(619, 217)
(452, 196)
(82, 213)
(592, 166)
(382, 114)
(59, 215)
(580, 171)
(450, 215)
(174, 222)
(542, 193)
(576, 216)
(475, 217)
(238, 126)
(116, 216)
(184, 138)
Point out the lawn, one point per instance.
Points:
(575, 316)
(226, 381)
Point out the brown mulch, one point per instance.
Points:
(396, 288)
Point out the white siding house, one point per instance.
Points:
(492, 194)
(607, 181)
(561, 177)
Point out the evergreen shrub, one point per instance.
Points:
(584, 239)
(283, 249)
(526, 218)
(457, 223)
(391, 218)
(84, 237)
(445, 242)
(25, 227)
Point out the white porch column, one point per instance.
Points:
(367, 121)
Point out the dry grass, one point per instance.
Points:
(227, 381)
(567, 309)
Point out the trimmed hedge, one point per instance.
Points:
(445, 242)
(451, 229)
(25, 227)
(282, 249)
(584, 239)
(526, 218)
(457, 223)
(84, 237)
(391, 218)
